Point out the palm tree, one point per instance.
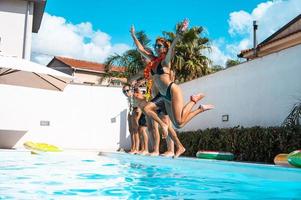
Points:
(231, 63)
(189, 62)
(216, 68)
(130, 59)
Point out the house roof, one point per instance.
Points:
(87, 65)
(290, 29)
(38, 11)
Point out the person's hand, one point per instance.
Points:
(183, 26)
(132, 31)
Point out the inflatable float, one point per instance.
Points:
(217, 155)
(294, 158)
(37, 148)
(281, 159)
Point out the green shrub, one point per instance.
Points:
(254, 144)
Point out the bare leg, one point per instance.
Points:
(193, 100)
(170, 144)
(156, 138)
(144, 141)
(137, 142)
(130, 123)
(150, 132)
(173, 134)
(199, 110)
(170, 148)
(177, 114)
(150, 111)
(135, 127)
(142, 147)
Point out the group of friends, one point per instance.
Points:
(166, 109)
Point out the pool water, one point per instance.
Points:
(123, 176)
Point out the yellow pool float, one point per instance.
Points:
(36, 147)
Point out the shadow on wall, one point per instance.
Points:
(9, 138)
(124, 142)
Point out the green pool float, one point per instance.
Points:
(217, 155)
(294, 158)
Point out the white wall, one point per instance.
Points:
(80, 117)
(256, 93)
(260, 92)
(12, 20)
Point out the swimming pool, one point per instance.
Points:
(123, 176)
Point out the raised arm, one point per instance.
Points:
(139, 46)
(170, 54)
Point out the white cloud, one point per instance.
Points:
(59, 37)
(215, 54)
(270, 16)
(239, 22)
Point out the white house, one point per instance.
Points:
(85, 72)
(19, 19)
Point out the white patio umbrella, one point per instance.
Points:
(20, 72)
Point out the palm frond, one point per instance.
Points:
(143, 38)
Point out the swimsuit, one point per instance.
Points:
(160, 71)
(168, 93)
(159, 102)
(142, 120)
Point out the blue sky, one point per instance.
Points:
(115, 16)
(93, 30)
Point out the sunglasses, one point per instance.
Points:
(125, 91)
(159, 46)
(136, 90)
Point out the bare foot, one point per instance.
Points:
(195, 98)
(206, 107)
(179, 152)
(154, 153)
(168, 154)
(139, 152)
(133, 152)
(144, 152)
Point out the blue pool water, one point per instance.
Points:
(123, 176)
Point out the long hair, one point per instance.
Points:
(165, 42)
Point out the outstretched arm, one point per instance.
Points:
(139, 46)
(170, 54)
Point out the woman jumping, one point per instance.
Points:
(179, 113)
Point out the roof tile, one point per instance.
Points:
(87, 65)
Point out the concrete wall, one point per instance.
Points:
(12, 29)
(256, 93)
(81, 117)
(260, 92)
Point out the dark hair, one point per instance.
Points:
(126, 85)
(165, 42)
